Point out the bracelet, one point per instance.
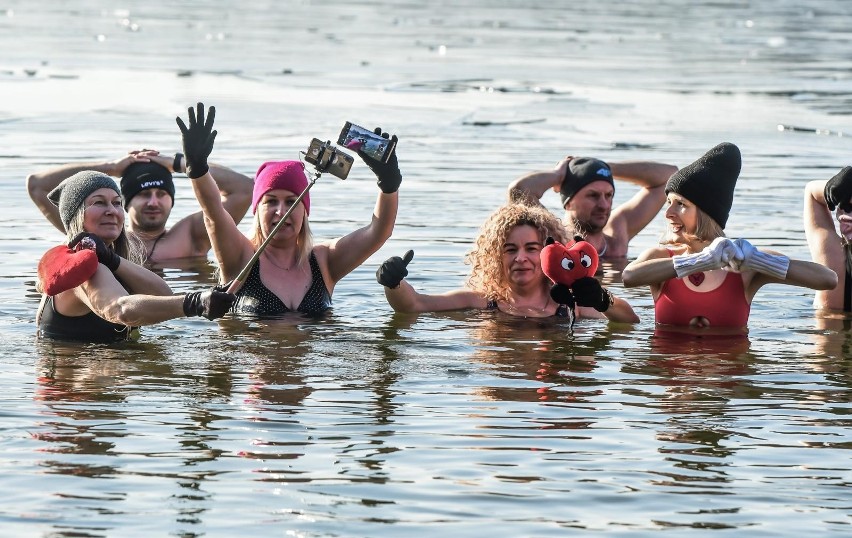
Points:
(610, 299)
(176, 163)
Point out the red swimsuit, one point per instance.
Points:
(725, 306)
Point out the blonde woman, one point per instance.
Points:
(121, 294)
(698, 277)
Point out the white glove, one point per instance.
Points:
(774, 265)
(714, 256)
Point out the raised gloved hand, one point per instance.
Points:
(211, 304)
(714, 256)
(589, 292)
(106, 255)
(774, 265)
(388, 174)
(197, 140)
(393, 270)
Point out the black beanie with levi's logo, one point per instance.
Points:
(140, 176)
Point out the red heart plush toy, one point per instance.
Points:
(565, 264)
(62, 268)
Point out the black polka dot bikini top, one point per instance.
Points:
(256, 299)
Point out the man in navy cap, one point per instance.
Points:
(586, 187)
(148, 191)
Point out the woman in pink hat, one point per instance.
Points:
(292, 273)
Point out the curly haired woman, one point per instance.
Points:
(505, 275)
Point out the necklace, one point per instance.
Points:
(272, 261)
(529, 309)
(602, 251)
(154, 246)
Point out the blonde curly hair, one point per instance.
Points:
(486, 258)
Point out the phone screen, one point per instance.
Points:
(357, 138)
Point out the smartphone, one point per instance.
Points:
(327, 158)
(357, 138)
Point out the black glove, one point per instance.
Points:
(388, 174)
(838, 190)
(562, 295)
(106, 255)
(393, 270)
(198, 140)
(589, 292)
(211, 304)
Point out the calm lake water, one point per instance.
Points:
(368, 423)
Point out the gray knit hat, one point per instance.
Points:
(73, 191)
(709, 182)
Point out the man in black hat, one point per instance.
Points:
(148, 191)
(586, 188)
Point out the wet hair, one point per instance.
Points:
(128, 246)
(305, 241)
(486, 258)
(706, 229)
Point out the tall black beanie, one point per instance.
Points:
(709, 182)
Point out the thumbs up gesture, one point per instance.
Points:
(393, 270)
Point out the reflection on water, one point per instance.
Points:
(367, 423)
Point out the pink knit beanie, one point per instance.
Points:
(287, 175)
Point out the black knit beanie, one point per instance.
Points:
(146, 175)
(582, 171)
(73, 191)
(709, 182)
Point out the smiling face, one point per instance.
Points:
(522, 257)
(104, 214)
(149, 210)
(591, 206)
(272, 206)
(682, 217)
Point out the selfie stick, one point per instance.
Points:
(241, 278)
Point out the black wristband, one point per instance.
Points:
(176, 163)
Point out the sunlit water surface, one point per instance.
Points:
(372, 424)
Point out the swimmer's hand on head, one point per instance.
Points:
(394, 270)
(198, 140)
(388, 175)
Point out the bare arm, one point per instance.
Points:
(652, 267)
(39, 184)
(348, 252)
(235, 192)
(632, 216)
(109, 300)
(405, 298)
(141, 280)
(231, 248)
(823, 241)
(531, 187)
(620, 311)
(799, 273)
